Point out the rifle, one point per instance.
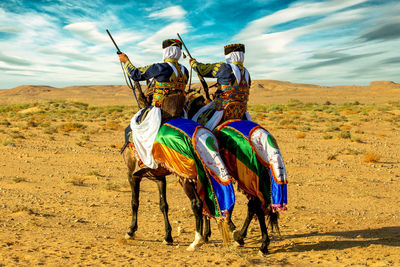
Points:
(128, 80)
(201, 78)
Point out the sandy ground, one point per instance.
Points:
(65, 199)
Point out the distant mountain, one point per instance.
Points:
(261, 92)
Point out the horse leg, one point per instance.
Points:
(238, 236)
(162, 189)
(207, 229)
(232, 226)
(197, 207)
(263, 227)
(135, 187)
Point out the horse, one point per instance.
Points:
(172, 108)
(259, 204)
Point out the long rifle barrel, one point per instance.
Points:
(112, 39)
(187, 51)
(201, 78)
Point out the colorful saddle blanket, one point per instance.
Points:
(253, 158)
(191, 151)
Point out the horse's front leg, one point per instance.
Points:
(239, 236)
(197, 207)
(135, 187)
(162, 189)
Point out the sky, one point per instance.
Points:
(327, 42)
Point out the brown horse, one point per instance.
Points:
(172, 108)
(254, 206)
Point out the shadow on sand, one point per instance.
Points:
(387, 236)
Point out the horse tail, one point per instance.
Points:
(273, 218)
(223, 227)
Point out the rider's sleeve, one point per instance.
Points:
(143, 73)
(207, 70)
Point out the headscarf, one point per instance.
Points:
(236, 56)
(233, 59)
(173, 52)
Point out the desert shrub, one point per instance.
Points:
(16, 135)
(18, 179)
(80, 105)
(80, 143)
(85, 137)
(327, 136)
(273, 107)
(112, 186)
(356, 139)
(305, 128)
(344, 135)
(332, 128)
(114, 109)
(351, 151)
(71, 126)
(294, 103)
(285, 122)
(331, 156)
(94, 173)
(32, 124)
(371, 157)
(5, 122)
(50, 130)
(7, 142)
(78, 181)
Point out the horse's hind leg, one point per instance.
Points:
(239, 236)
(135, 187)
(197, 207)
(162, 189)
(263, 227)
(207, 229)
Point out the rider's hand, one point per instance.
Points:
(123, 57)
(192, 61)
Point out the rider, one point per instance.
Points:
(170, 81)
(230, 100)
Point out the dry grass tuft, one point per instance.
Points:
(371, 157)
(78, 181)
(94, 173)
(112, 186)
(331, 157)
(18, 179)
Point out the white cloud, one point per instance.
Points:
(277, 55)
(87, 31)
(173, 12)
(153, 43)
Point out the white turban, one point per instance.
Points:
(236, 56)
(173, 52)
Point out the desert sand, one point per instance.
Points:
(65, 198)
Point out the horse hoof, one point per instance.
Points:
(128, 236)
(236, 235)
(190, 248)
(165, 242)
(262, 254)
(237, 244)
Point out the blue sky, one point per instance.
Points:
(335, 42)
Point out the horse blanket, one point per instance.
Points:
(191, 151)
(252, 157)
